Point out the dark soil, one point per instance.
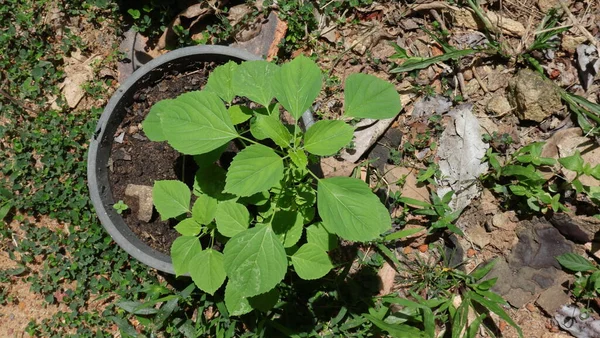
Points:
(140, 161)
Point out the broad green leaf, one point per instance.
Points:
(297, 85)
(495, 308)
(311, 262)
(272, 127)
(254, 80)
(255, 260)
(256, 131)
(171, 198)
(260, 198)
(220, 81)
(481, 272)
(232, 218)
(318, 235)
(288, 226)
(183, 249)
(204, 209)
(196, 123)
(256, 168)
(575, 262)
(151, 125)
(370, 97)
(299, 158)
(207, 270)
(236, 304)
(188, 227)
(210, 180)
(239, 114)
(398, 331)
(327, 137)
(265, 301)
(574, 162)
(349, 208)
(595, 172)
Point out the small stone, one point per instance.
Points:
(569, 43)
(468, 74)
(498, 105)
(553, 298)
(546, 5)
(407, 250)
(534, 97)
(132, 130)
(423, 248)
(500, 221)
(471, 252)
(144, 195)
(530, 307)
(479, 236)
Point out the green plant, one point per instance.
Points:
(120, 207)
(587, 282)
(442, 293)
(439, 212)
(260, 206)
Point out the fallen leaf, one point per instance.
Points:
(387, 275)
(78, 71)
(330, 166)
(411, 188)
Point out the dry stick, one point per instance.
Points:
(463, 87)
(438, 18)
(577, 24)
(481, 84)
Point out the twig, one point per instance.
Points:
(463, 87)
(438, 18)
(577, 24)
(481, 84)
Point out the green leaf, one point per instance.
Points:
(204, 209)
(299, 158)
(207, 270)
(495, 308)
(272, 128)
(171, 198)
(196, 123)
(232, 218)
(207, 159)
(574, 162)
(256, 168)
(481, 272)
(370, 97)
(397, 331)
(220, 81)
(255, 260)
(311, 262)
(183, 249)
(595, 172)
(575, 262)
(239, 114)
(237, 304)
(327, 137)
(414, 63)
(254, 80)
(297, 85)
(288, 226)
(188, 227)
(265, 301)
(136, 308)
(260, 198)
(151, 125)
(318, 235)
(210, 180)
(349, 208)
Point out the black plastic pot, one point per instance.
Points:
(181, 60)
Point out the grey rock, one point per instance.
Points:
(588, 64)
(144, 196)
(431, 105)
(534, 97)
(553, 298)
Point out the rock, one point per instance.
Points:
(479, 236)
(579, 229)
(502, 221)
(430, 105)
(411, 188)
(498, 105)
(266, 43)
(569, 43)
(465, 18)
(530, 267)
(144, 196)
(534, 97)
(386, 275)
(554, 298)
(507, 25)
(496, 78)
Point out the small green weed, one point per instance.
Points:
(120, 207)
(587, 276)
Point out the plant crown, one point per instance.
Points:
(264, 207)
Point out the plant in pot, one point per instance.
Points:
(267, 211)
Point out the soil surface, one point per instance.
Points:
(137, 160)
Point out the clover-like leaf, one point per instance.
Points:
(196, 123)
(254, 80)
(311, 261)
(220, 81)
(327, 137)
(207, 270)
(183, 249)
(232, 218)
(254, 169)
(297, 85)
(255, 260)
(349, 208)
(171, 198)
(370, 97)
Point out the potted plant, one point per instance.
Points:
(267, 212)
(99, 156)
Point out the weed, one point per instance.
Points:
(120, 207)
(439, 212)
(587, 276)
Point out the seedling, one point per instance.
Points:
(263, 204)
(587, 282)
(439, 212)
(120, 207)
